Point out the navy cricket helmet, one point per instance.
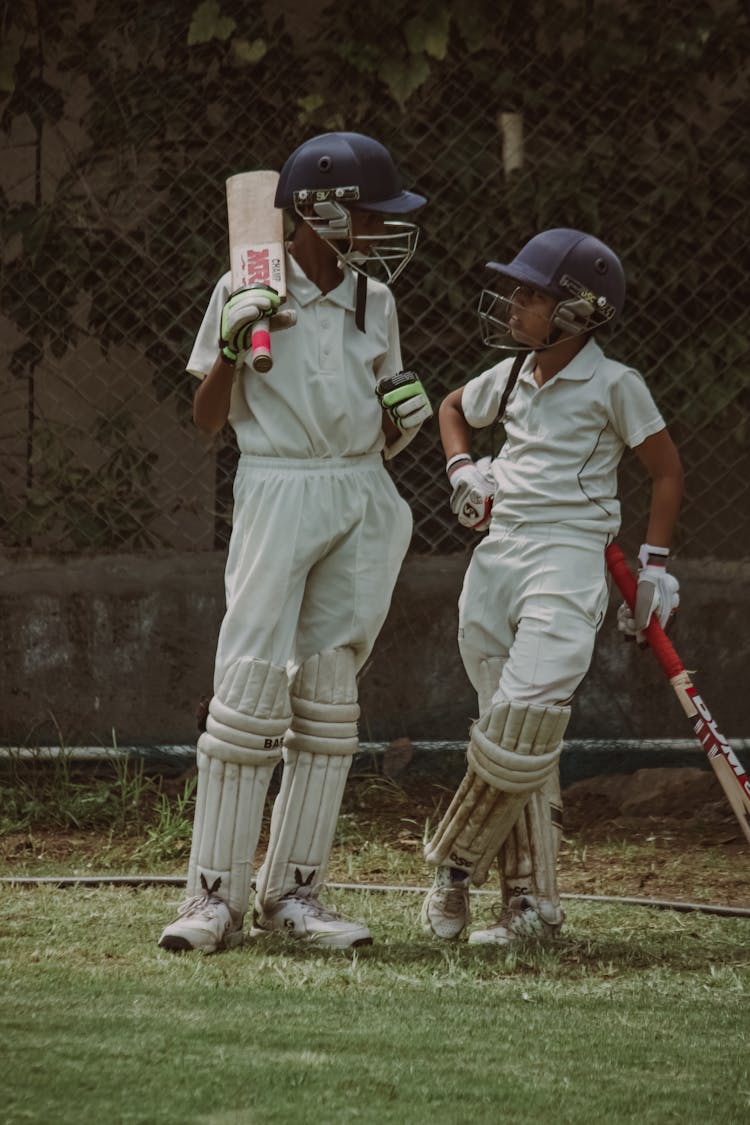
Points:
(569, 264)
(347, 160)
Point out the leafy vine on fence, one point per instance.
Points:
(632, 117)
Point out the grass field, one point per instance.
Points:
(636, 1015)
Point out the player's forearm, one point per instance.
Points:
(455, 431)
(659, 456)
(666, 498)
(212, 399)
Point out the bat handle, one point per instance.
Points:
(655, 635)
(260, 346)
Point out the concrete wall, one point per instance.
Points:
(126, 643)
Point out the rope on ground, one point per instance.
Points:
(179, 881)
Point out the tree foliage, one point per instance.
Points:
(633, 118)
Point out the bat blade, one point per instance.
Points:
(729, 770)
(256, 247)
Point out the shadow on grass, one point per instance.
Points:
(568, 957)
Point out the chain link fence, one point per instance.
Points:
(118, 127)
(116, 143)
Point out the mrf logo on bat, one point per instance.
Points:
(260, 263)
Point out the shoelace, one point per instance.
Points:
(523, 919)
(198, 905)
(453, 901)
(315, 907)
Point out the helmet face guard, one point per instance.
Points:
(570, 317)
(332, 175)
(327, 213)
(576, 270)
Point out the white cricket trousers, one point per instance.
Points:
(316, 548)
(533, 598)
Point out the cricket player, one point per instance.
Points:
(535, 592)
(318, 538)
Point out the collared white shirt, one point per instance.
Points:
(318, 399)
(564, 440)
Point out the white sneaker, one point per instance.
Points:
(308, 920)
(445, 911)
(205, 923)
(525, 918)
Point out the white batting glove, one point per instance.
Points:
(241, 310)
(405, 400)
(473, 491)
(658, 593)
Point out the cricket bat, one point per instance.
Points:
(256, 249)
(729, 771)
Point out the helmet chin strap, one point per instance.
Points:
(361, 302)
(554, 338)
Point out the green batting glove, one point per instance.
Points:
(405, 399)
(241, 311)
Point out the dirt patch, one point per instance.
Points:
(657, 833)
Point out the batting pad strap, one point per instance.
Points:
(323, 738)
(311, 710)
(226, 750)
(219, 715)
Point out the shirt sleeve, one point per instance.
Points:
(635, 415)
(206, 346)
(481, 397)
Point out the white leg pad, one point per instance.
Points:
(514, 749)
(514, 854)
(528, 868)
(317, 757)
(237, 753)
(528, 859)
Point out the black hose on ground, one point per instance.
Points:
(179, 881)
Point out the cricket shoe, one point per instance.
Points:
(524, 919)
(204, 922)
(305, 919)
(445, 910)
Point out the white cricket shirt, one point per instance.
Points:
(318, 399)
(564, 440)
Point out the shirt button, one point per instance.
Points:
(325, 323)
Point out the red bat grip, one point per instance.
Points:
(659, 642)
(260, 346)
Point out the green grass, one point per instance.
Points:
(636, 1016)
(61, 793)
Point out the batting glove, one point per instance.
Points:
(241, 310)
(658, 593)
(473, 491)
(405, 400)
